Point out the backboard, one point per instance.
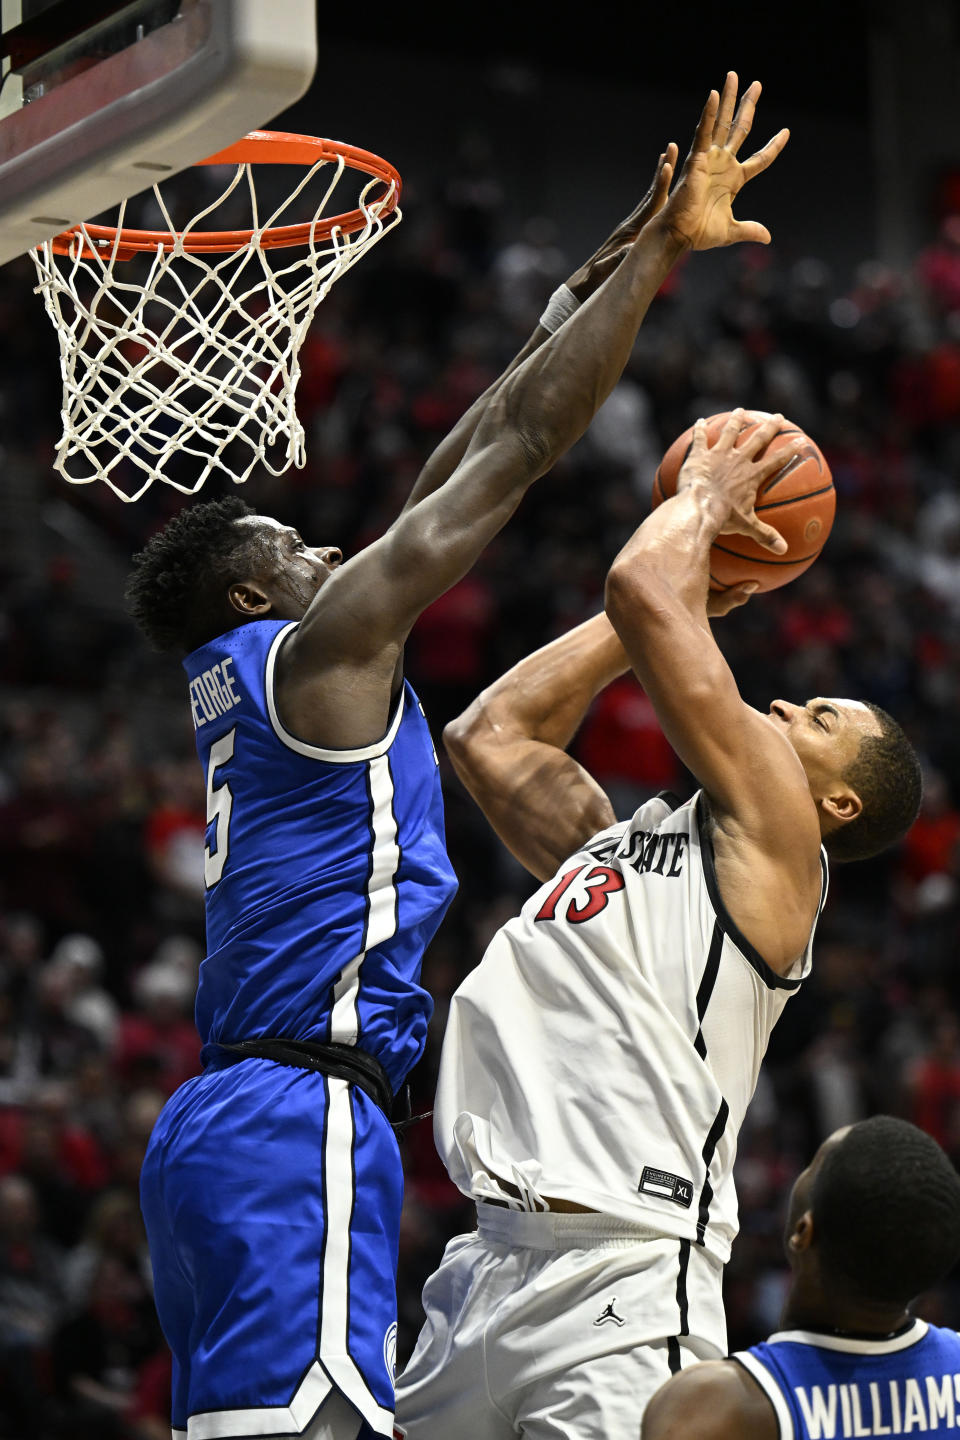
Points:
(100, 98)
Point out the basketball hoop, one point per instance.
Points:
(198, 355)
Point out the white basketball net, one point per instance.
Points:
(199, 358)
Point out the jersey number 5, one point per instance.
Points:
(219, 809)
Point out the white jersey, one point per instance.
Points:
(605, 1049)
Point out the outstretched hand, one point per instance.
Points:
(605, 260)
(735, 473)
(699, 212)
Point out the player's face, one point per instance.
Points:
(293, 572)
(826, 735)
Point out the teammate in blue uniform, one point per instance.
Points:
(272, 1184)
(874, 1221)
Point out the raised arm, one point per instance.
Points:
(339, 669)
(509, 746)
(539, 410)
(766, 822)
(583, 283)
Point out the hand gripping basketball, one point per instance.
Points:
(769, 471)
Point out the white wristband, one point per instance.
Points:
(560, 307)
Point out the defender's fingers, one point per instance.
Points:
(654, 190)
(750, 231)
(762, 159)
(702, 136)
(728, 100)
(628, 229)
(743, 120)
(662, 183)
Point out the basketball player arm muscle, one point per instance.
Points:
(546, 404)
(715, 1400)
(509, 747)
(341, 665)
(699, 213)
(760, 800)
(583, 283)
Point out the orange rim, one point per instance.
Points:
(260, 147)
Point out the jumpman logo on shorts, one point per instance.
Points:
(610, 1314)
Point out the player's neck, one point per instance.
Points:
(811, 1308)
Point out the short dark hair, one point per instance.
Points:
(176, 592)
(886, 1212)
(886, 776)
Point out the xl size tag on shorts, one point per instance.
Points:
(666, 1186)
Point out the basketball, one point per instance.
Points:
(798, 500)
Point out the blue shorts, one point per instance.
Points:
(272, 1200)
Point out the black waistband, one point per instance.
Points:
(344, 1062)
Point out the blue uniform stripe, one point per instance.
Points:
(316, 927)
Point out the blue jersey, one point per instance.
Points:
(326, 870)
(830, 1387)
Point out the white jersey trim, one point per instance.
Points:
(319, 752)
(339, 1197)
(268, 1420)
(759, 1372)
(380, 921)
(558, 1230)
(336, 1369)
(850, 1344)
(767, 974)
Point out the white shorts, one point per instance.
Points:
(550, 1326)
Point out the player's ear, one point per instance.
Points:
(841, 805)
(801, 1236)
(248, 599)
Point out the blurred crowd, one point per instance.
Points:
(102, 803)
